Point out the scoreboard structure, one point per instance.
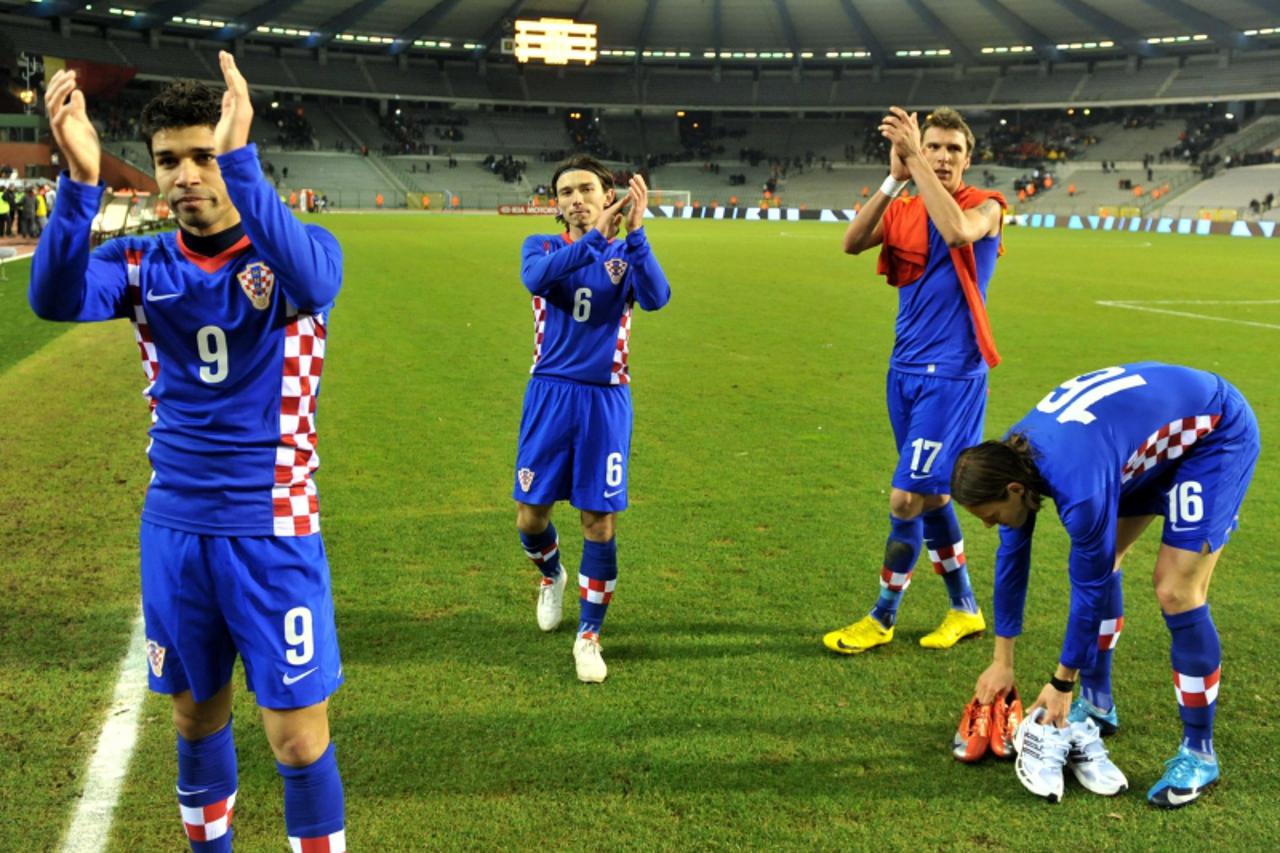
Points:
(554, 41)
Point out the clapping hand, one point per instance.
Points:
(232, 131)
(72, 131)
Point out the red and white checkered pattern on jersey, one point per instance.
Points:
(1168, 442)
(947, 559)
(539, 329)
(141, 328)
(594, 590)
(294, 504)
(1109, 633)
(541, 557)
(208, 823)
(621, 374)
(894, 581)
(334, 842)
(1196, 691)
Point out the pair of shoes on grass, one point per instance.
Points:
(867, 633)
(988, 728)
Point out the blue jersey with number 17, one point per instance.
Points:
(1100, 438)
(583, 293)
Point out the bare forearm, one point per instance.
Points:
(943, 210)
(1003, 652)
(861, 233)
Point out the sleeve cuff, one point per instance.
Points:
(243, 160)
(80, 196)
(637, 238)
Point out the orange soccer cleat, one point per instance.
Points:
(1005, 718)
(970, 742)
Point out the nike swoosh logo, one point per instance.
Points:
(294, 679)
(1183, 529)
(841, 644)
(152, 296)
(614, 492)
(1176, 799)
(182, 793)
(918, 476)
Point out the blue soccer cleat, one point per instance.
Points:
(1082, 709)
(1185, 778)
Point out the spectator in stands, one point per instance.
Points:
(29, 214)
(4, 213)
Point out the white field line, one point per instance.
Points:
(1145, 305)
(91, 824)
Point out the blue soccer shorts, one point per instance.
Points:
(1200, 495)
(575, 444)
(206, 599)
(933, 419)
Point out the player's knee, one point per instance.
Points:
(195, 724)
(300, 747)
(532, 519)
(1176, 595)
(905, 505)
(598, 527)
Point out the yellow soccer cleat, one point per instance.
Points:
(866, 633)
(953, 629)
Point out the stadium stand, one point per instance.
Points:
(1232, 188)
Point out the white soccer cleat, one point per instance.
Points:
(1089, 761)
(551, 600)
(587, 658)
(1042, 754)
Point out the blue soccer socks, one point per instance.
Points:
(1095, 681)
(544, 550)
(207, 790)
(1197, 665)
(900, 553)
(314, 809)
(945, 544)
(596, 579)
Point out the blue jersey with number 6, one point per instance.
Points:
(582, 297)
(1116, 442)
(232, 347)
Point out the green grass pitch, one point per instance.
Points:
(759, 479)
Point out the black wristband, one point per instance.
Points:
(1061, 684)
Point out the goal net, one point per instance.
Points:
(672, 198)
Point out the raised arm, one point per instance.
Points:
(307, 260)
(543, 263)
(958, 227)
(866, 229)
(649, 281)
(67, 281)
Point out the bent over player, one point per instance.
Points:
(939, 249)
(230, 316)
(1115, 449)
(575, 430)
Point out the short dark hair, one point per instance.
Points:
(182, 103)
(945, 118)
(983, 472)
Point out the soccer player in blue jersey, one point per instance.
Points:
(939, 249)
(1115, 449)
(575, 430)
(230, 314)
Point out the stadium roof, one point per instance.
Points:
(885, 32)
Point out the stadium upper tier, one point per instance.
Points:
(1253, 74)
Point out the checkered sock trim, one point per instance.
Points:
(334, 842)
(894, 581)
(594, 590)
(621, 373)
(208, 823)
(295, 505)
(541, 558)
(947, 559)
(1196, 691)
(141, 328)
(1169, 442)
(1109, 633)
(539, 329)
